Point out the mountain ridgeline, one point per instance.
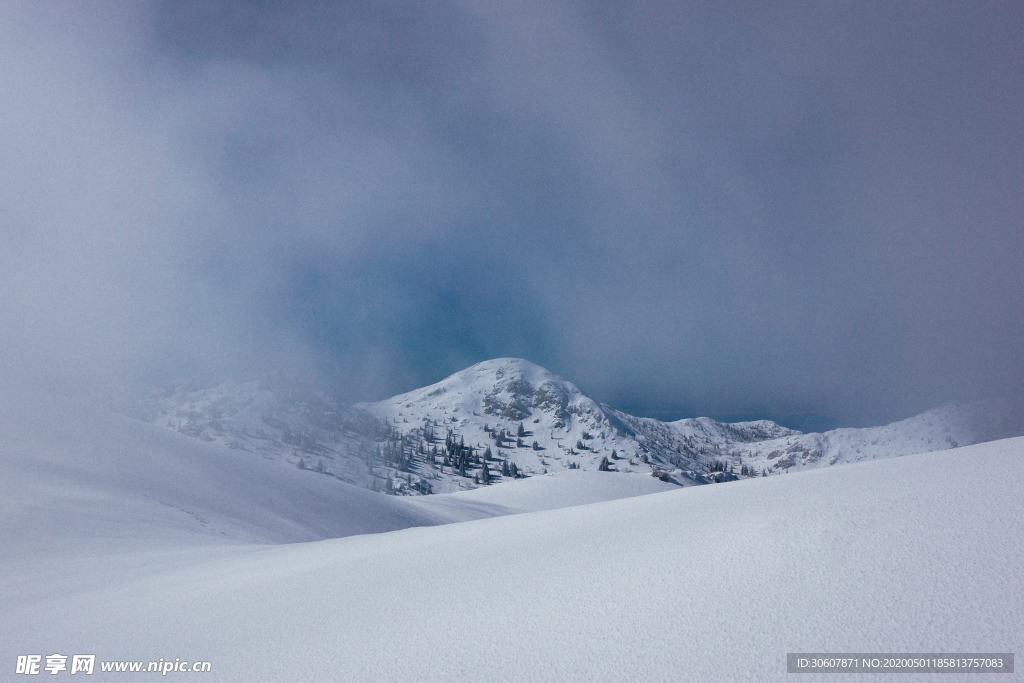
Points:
(508, 418)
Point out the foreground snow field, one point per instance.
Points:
(134, 544)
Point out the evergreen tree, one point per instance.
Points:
(521, 431)
(603, 467)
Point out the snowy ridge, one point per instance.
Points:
(507, 418)
(942, 428)
(699, 445)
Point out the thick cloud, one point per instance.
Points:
(798, 211)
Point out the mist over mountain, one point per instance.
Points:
(508, 418)
(802, 215)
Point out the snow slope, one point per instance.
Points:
(70, 469)
(275, 418)
(543, 492)
(81, 483)
(912, 554)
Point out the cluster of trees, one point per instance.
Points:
(745, 470)
(500, 436)
(396, 454)
(403, 452)
(459, 456)
(393, 486)
(750, 471)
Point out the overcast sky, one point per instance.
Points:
(805, 211)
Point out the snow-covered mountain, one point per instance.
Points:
(516, 412)
(508, 418)
(487, 404)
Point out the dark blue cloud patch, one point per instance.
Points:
(423, 310)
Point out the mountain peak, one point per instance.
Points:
(507, 369)
(527, 414)
(509, 389)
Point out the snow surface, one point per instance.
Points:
(544, 492)
(127, 541)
